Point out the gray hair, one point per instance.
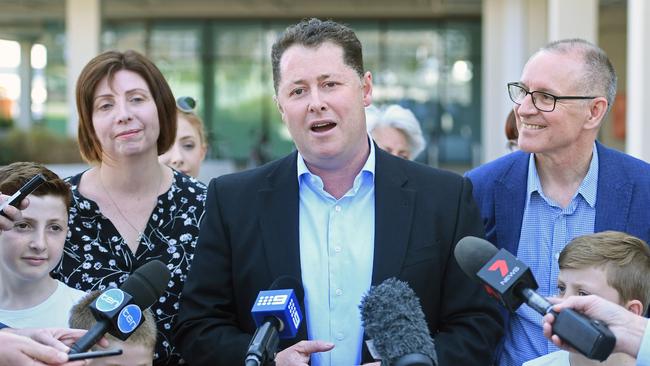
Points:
(599, 74)
(400, 118)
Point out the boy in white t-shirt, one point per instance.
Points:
(29, 297)
(612, 265)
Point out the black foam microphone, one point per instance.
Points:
(119, 311)
(277, 315)
(511, 282)
(394, 322)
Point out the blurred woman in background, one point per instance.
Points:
(511, 131)
(396, 130)
(190, 145)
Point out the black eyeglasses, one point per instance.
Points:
(545, 102)
(186, 104)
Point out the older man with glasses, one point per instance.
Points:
(562, 183)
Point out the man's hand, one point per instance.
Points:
(12, 214)
(298, 354)
(59, 338)
(20, 350)
(626, 326)
(40, 346)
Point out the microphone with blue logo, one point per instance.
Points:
(277, 315)
(119, 311)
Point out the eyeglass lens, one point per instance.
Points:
(543, 101)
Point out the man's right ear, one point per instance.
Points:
(279, 106)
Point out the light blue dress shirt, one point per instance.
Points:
(643, 357)
(336, 254)
(546, 229)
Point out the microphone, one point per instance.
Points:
(119, 311)
(510, 281)
(277, 315)
(393, 319)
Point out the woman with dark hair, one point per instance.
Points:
(128, 208)
(511, 131)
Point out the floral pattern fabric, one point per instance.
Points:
(96, 257)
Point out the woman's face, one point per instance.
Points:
(188, 151)
(125, 116)
(392, 140)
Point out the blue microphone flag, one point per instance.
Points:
(281, 304)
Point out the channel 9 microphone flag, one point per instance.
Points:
(119, 311)
(277, 315)
(510, 281)
(394, 322)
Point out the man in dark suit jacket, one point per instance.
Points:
(252, 232)
(563, 183)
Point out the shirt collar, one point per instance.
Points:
(369, 167)
(587, 189)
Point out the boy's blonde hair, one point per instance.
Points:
(625, 259)
(82, 318)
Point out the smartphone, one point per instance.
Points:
(23, 192)
(94, 354)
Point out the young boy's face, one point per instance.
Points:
(586, 281)
(31, 249)
(132, 355)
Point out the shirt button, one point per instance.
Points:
(340, 336)
(337, 208)
(557, 256)
(337, 249)
(338, 292)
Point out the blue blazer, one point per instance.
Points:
(622, 199)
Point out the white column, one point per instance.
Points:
(573, 19)
(83, 26)
(25, 72)
(638, 79)
(512, 31)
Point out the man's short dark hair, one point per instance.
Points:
(313, 33)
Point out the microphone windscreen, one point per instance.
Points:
(147, 283)
(285, 282)
(472, 254)
(393, 319)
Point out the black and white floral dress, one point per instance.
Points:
(96, 256)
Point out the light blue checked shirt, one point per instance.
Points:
(336, 253)
(546, 229)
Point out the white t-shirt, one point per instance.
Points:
(54, 312)
(559, 358)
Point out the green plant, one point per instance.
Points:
(37, 144)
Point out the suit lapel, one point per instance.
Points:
(510, 201)
(394, 205)
(278, 212)
(614, 194)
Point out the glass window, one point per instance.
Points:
(431, 67)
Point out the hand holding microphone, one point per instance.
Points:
(9, 215)
(626, 326)
(511, 282)
(119, 311)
